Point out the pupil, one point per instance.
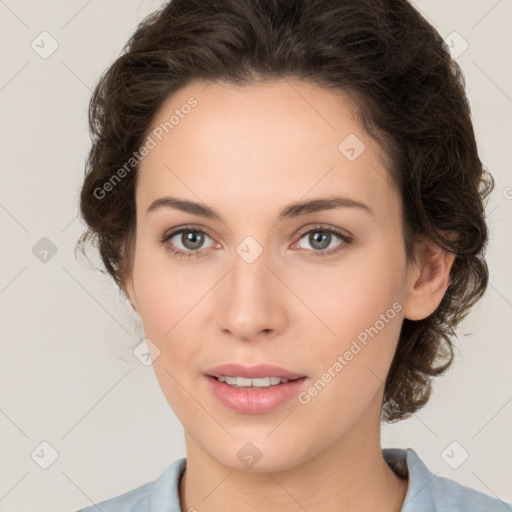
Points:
(192, 239)
(324, 235)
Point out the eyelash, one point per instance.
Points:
(346, 240)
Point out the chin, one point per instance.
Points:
(258, 453)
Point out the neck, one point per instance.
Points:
(350, 475)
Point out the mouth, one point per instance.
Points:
(253, 390)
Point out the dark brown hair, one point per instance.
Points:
(411, 99)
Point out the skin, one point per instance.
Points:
(248, 152)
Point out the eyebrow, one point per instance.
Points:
(288, 212)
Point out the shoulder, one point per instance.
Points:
(157, 495)
(429, 492)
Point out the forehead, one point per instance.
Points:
(278, 139)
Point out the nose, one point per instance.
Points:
(252, 299)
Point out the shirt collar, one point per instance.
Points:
(407, 462)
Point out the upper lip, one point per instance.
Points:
(252, 372)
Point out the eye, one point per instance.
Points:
(191, 240)
(321, 237)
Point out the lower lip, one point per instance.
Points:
(254, 400)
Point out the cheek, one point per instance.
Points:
(355, 295)
(170, 303)
(362, 307)
(164, 292)
(156, 311)
(350, 368)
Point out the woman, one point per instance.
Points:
(291, 198)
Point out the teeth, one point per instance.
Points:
(263, 382)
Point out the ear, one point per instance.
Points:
(427, 281)
(130, 291)
(126, 273)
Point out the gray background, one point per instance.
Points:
(67, 375)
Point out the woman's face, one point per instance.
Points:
(264, 282)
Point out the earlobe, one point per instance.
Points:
(429, 281)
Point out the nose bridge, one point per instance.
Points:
(250, 298)
(250, 275)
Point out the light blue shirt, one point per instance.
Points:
(426, 492)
